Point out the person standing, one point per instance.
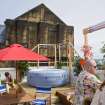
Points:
(86, 83)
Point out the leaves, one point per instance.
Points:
(102, 65)
(23, 66)
(76, 64)
(103, 49)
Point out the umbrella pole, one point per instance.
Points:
(17, 72)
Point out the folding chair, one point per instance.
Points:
(2, 89)
(39, 100)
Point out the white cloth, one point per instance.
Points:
(99, 97)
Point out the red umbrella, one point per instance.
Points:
(17, 52)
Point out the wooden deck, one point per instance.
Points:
(21, 98)
(54, 91)
(9, 99)
(65, 96)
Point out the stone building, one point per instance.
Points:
(39, 26)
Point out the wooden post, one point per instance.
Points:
(16, 71)
(59, 53)
(70, 62)
(85, 40)
(18, 74)
(0, 79)
(55, 57)
(38, 53)
(69, 58)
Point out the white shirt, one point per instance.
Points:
(99, 97)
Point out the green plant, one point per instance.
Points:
(2, 81)
(103, 60)
(76, 65)
(103, 50)
(59, 65)
(23, 67)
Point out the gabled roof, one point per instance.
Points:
(39, 6)
(2, 33)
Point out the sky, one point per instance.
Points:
(77, 13)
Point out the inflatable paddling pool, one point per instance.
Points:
(47, 77)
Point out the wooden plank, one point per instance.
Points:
(64, 96)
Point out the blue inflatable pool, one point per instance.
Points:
(49, 77)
